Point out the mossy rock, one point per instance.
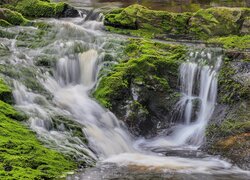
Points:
(143, 21)
(25, 75)
(5, 92)
(38, 8)
(232, 42)
(70, 125)
(231, 90)
(137, 20)
(8, 17)
(219, 21)
(141, 83)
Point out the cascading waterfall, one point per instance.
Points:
(106, 136)
(109, 141)
(198, 83)
(198, 79)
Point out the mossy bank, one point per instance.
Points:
(22, 155)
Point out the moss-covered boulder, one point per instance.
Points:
(219, 21)
(201, 25)
(38, 8)
(8, 18)
(142, 88)
(145, 22)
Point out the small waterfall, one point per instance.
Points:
(198, 83)
(106, 135)
(88, 64)
(198, 80)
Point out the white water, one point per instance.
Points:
(109, 141)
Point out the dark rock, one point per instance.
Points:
(70, 11)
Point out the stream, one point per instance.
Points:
(79, 46)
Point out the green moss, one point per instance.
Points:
(6, 34)
(38, 8)
(22, 155)
(232, 42)
(5, 92)
(137, 20)
(231, 91)
(4, 23)
(219, 21)
(12, 18)
(149, 63)
(25, 75)
(71, 126)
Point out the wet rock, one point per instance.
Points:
(143, 88)
(245, 29)
(229, 128)
(69, 11)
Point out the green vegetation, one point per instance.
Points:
(217, 22)
(5, 92)
(149, 63)
(22, 155)
(237, 122)
(231, 137)
(10, 12)
(138, 20)
(38, 8)
(25, 75)
(8, 17)
(231, 91)
(232, 42)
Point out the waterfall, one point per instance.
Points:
(198, 81)
(79, 48)
(106, 135)
(88, 64)
(198, 84)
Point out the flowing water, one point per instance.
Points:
(79, 46)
